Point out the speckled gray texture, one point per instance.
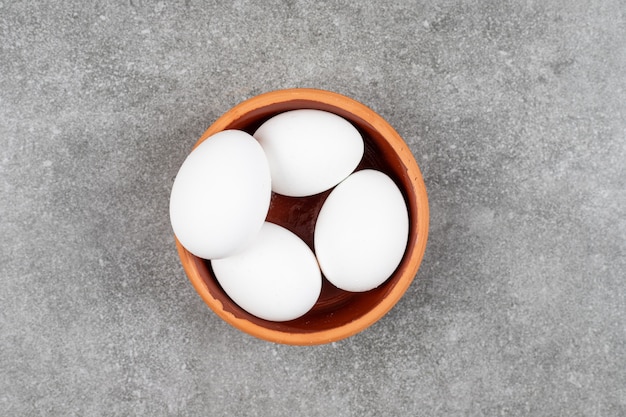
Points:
(515, 112)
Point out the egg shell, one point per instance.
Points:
(309, 151)
(221, 195)
(276, 278)
(362, 231)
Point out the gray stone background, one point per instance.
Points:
(515, 112)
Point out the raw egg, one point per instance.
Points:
(275, 278)
(309, 151)
(221, 195)
(361, 232)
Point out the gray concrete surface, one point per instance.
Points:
(516, 114)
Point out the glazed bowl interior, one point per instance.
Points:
(337, 313)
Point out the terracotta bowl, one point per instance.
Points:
(337, 313)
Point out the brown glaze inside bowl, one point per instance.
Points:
(335, 308)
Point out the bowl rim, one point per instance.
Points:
(422, 218)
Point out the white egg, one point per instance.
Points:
(276, 278)
(309, 151)
(221, 195)
(361, 232)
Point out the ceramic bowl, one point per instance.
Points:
(337, 314)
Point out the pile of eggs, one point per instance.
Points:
(221, 197)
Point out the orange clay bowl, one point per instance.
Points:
(337, 314)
